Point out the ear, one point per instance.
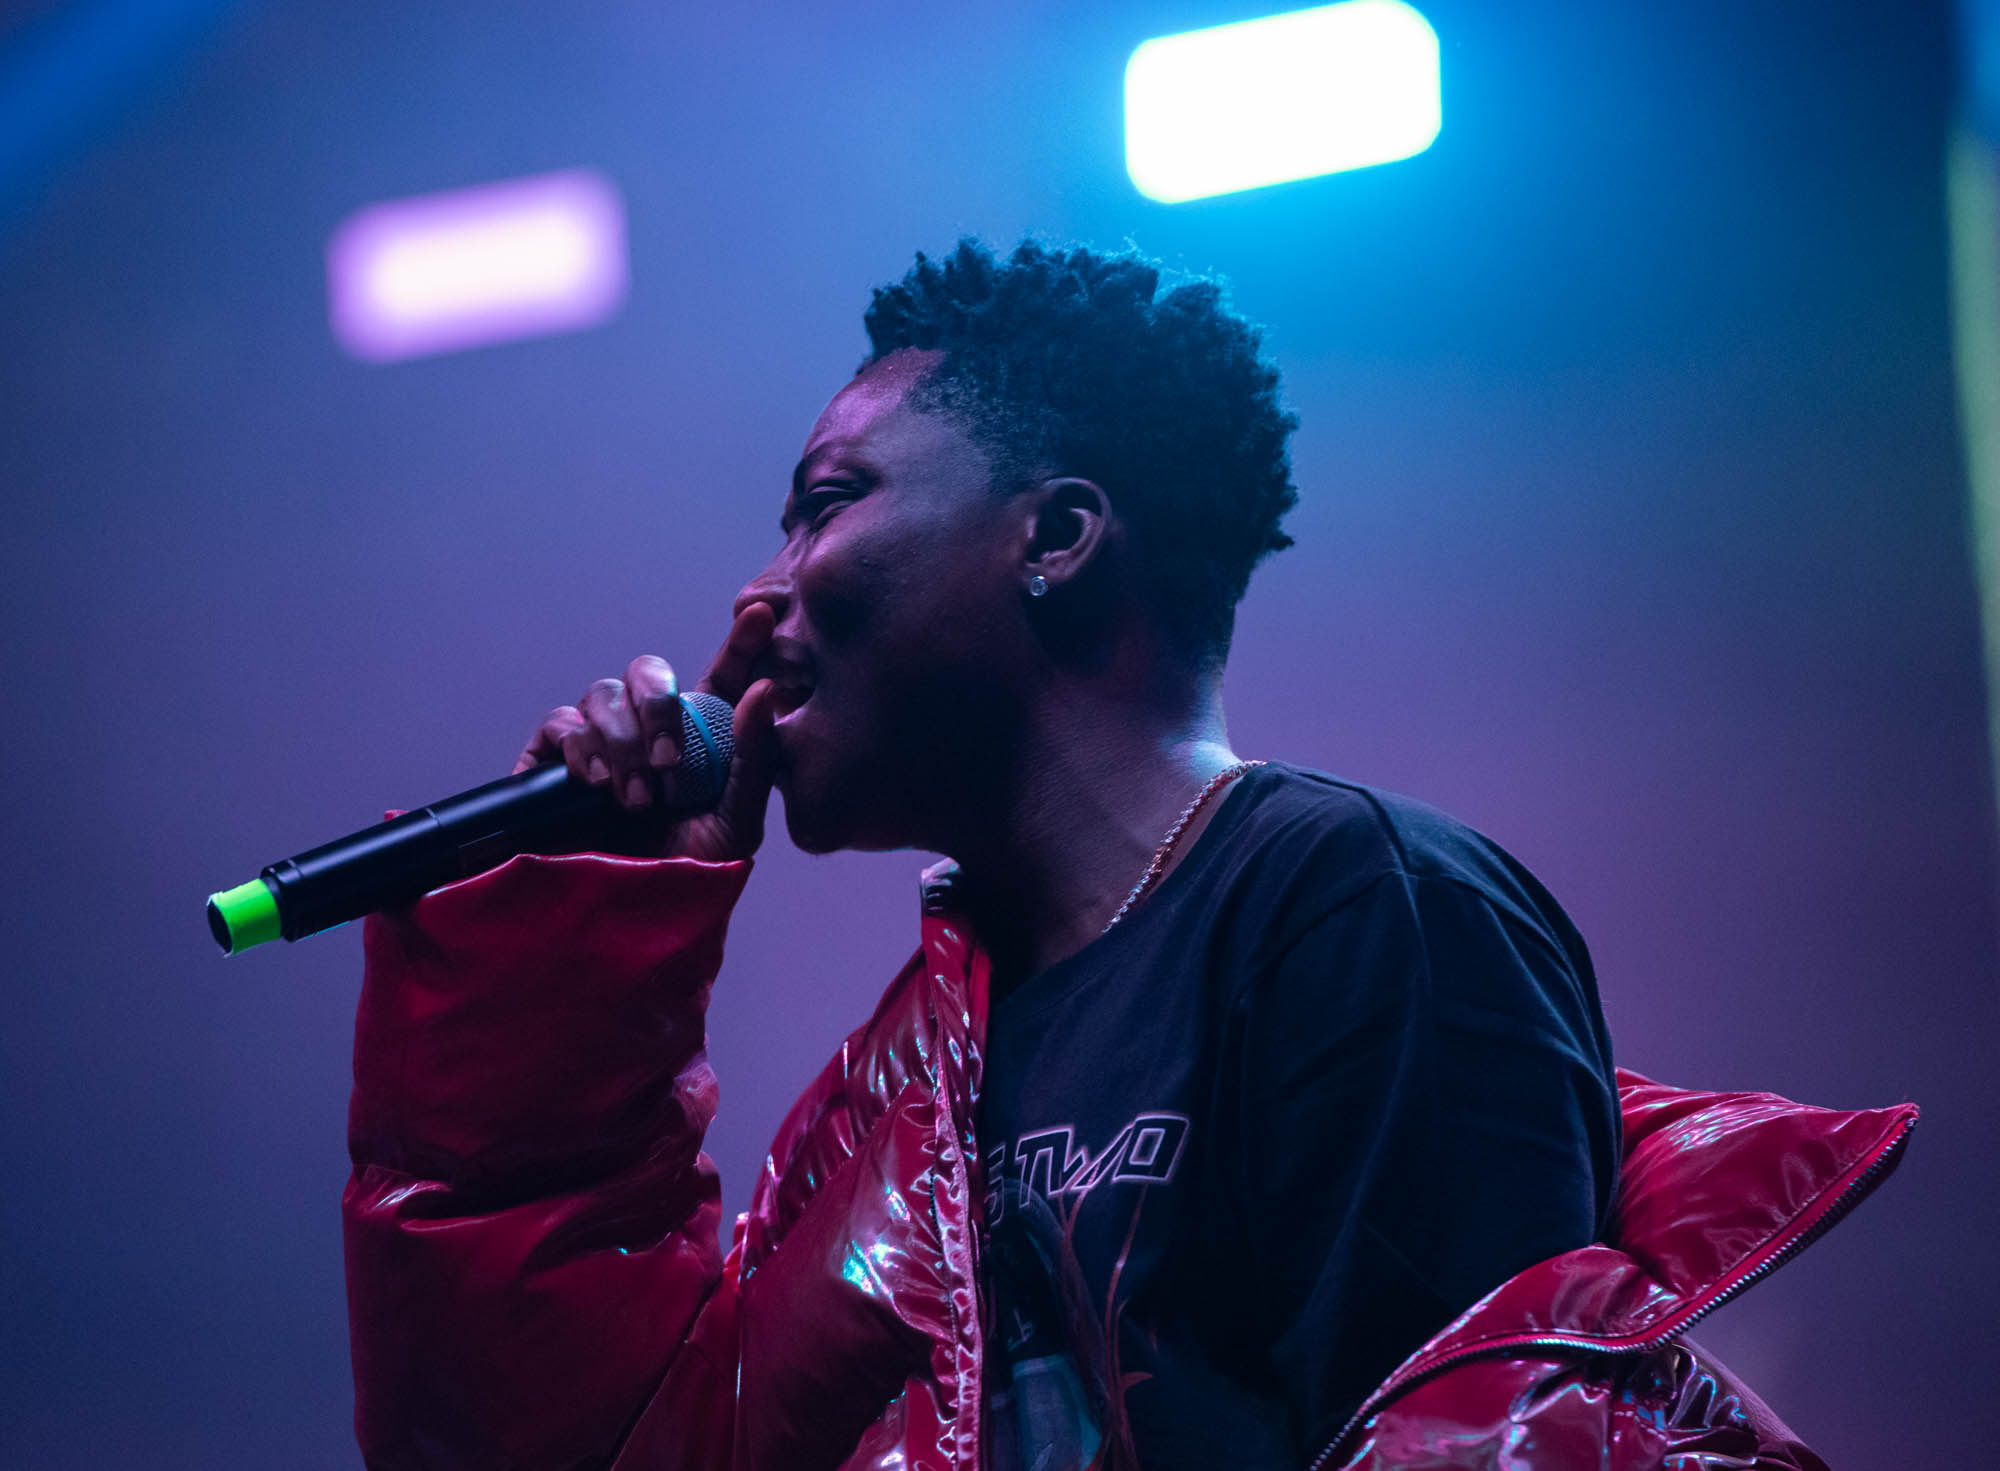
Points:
(1070, 528)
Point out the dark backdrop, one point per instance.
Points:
(1633, 532)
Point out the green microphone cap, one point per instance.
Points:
(244, 916)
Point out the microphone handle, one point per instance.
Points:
(542, 810)
(395, 861)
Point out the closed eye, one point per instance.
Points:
(818, 502)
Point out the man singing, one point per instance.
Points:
(1216, 1085)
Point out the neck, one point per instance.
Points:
(1092, 788)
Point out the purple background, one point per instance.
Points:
(1633, 532)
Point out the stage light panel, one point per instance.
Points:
(469, 267)
(1285, 97)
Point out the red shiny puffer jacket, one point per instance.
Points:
(534, 1281)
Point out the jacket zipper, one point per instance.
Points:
(1800, 1238)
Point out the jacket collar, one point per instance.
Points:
(1718, 1190)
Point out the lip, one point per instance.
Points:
(788, 736)
(790, 689)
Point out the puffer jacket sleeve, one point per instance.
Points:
(530, 1225)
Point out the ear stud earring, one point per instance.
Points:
(1037, 585)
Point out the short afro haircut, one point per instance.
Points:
(1068, 361)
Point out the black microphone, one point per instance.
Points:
(545, 810)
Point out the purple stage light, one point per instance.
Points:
(468, 267)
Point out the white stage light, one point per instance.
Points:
(440, 272)
(1286, 97)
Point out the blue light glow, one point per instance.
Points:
(1285, 97)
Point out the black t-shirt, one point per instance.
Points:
(1341, 1074)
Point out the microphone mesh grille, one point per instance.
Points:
(701, 777)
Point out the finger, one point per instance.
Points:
(655, 696)
(747, 793)
(749, 636)
(583, 753)
(624, 771)
(545, 748)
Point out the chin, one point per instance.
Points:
(807, 837)
(814, 826)
(819, 823)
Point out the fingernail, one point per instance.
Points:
(665, 752)
(637, 792)
(596, 770)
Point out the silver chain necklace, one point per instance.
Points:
(1153, 870)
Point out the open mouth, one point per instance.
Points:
(786, 698)
(790, 673)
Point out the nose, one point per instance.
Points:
(773, 585)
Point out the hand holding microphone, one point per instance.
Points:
(625, 738)
(634, 767)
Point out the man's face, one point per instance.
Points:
(897, 594)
